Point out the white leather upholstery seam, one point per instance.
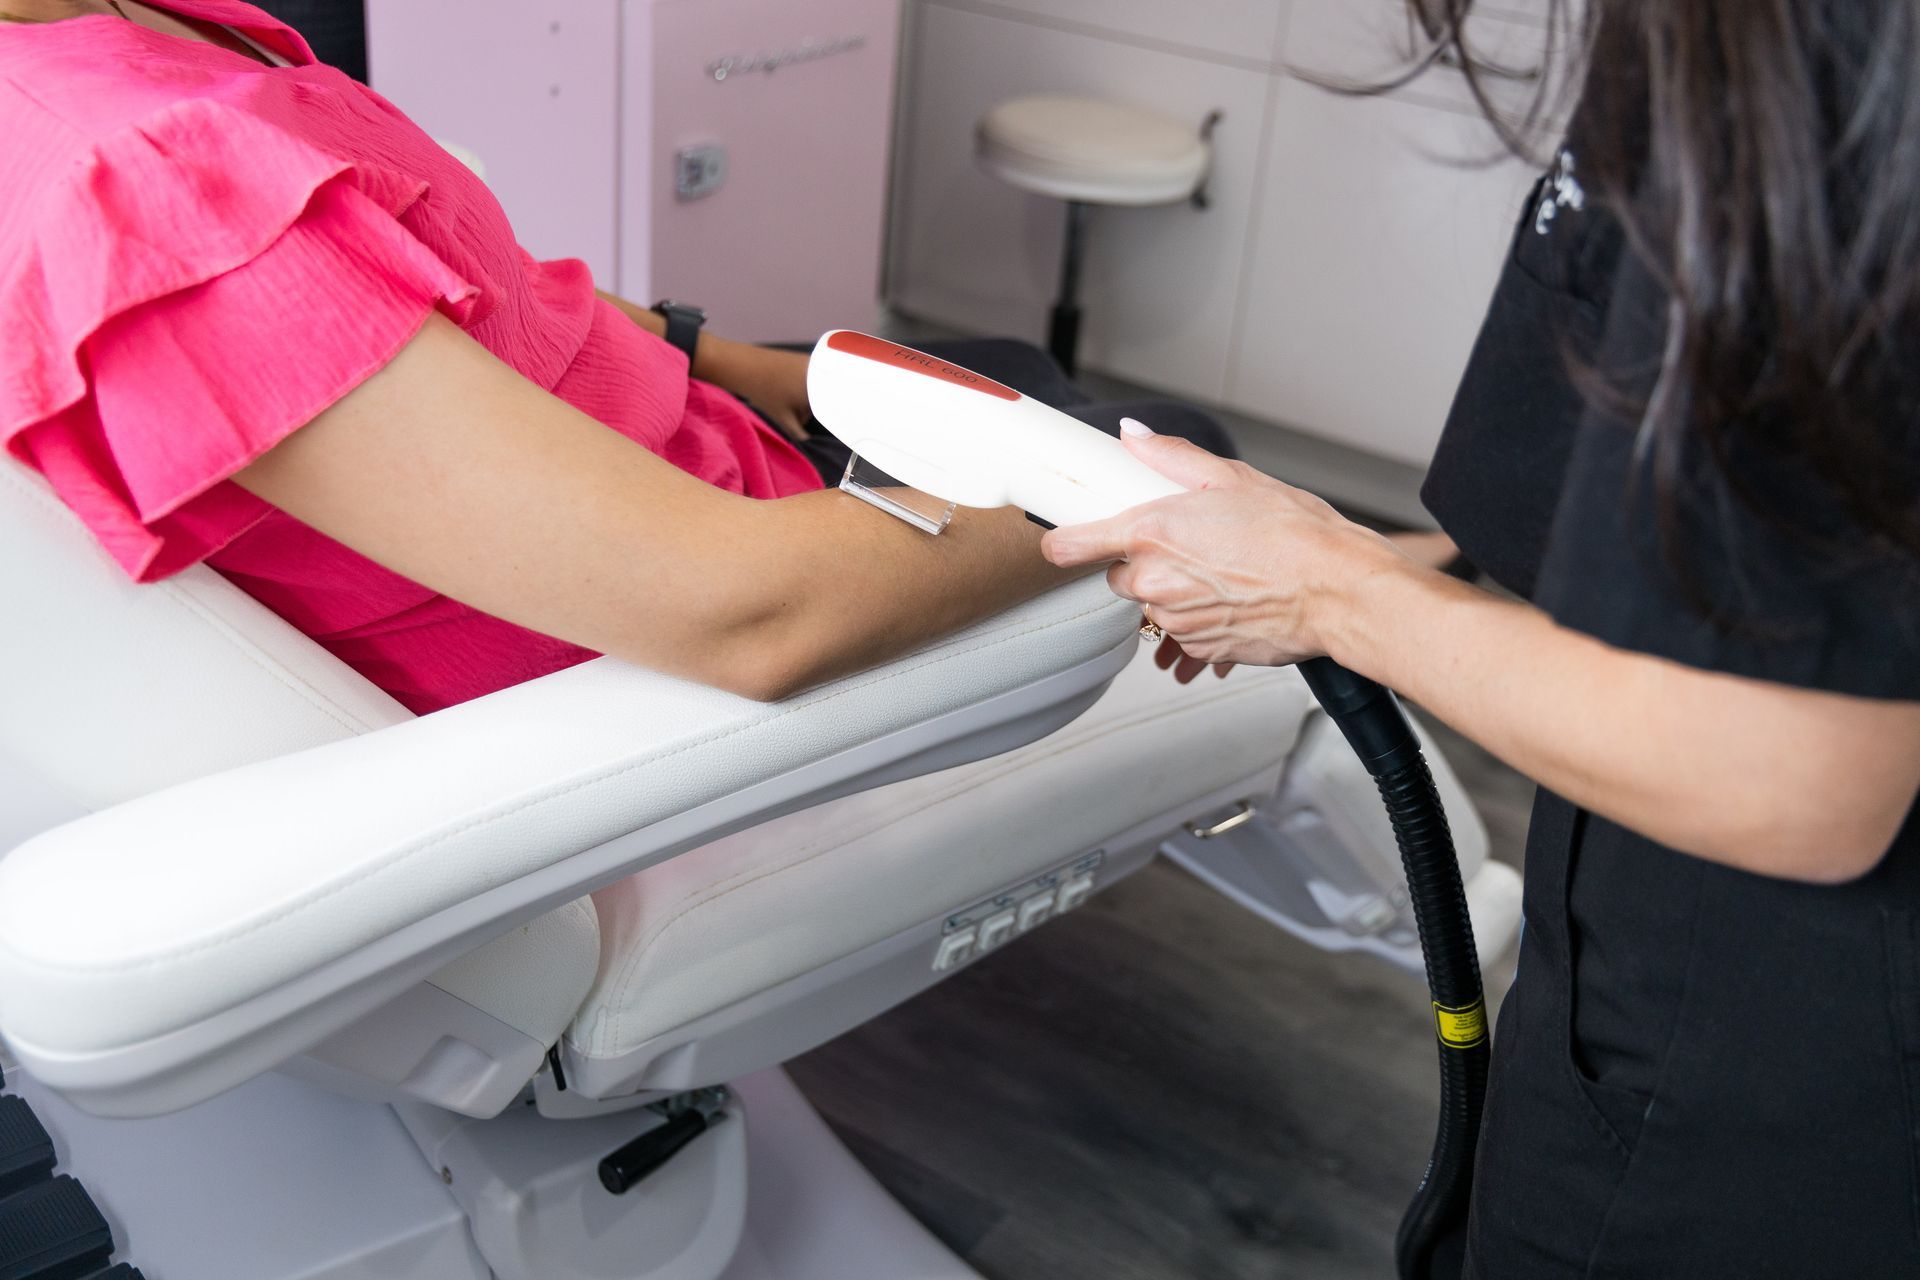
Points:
(253, 654)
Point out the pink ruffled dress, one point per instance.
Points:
(199, 253)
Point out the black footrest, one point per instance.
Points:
(26, 1152)
(52, 1231)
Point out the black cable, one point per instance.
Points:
(1431, 1234)
(1439, 1208)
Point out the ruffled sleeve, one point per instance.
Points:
(189, 292)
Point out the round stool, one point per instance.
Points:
(1088, 152)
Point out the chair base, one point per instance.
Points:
(278, 1179)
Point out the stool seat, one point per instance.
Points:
(1092, 151)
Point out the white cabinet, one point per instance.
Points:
(1337, 280)
(589, 116)
(1374, 253)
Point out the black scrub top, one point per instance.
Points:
(1698, 1072)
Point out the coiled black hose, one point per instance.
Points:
(1377, 729)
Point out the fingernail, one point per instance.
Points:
(1134, 427)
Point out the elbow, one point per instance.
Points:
(761, 685)
(1846, 860)
(762, 668)
(766, 650)
(1800, 847)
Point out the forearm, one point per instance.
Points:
(709, 350)
(835, 587)
(652, 321)
(1761, 776)
(1757, 776)
(772, 380)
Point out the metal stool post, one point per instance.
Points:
(1063, 330)
(1087, 152)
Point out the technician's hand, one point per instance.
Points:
(1244, 569)
(773, 381)
(1171, 657)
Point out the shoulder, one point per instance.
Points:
(109, 124)
(85, 80)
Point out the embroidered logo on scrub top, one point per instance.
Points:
(1562, 190)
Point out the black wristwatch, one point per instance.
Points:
(683, 325)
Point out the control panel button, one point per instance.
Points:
(996, 929)
(1035, 909)
(1073, 892)
(954, 948)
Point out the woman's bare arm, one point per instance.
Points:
(451, 469)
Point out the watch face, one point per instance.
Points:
(696, 314)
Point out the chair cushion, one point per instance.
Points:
(692, 936)
(312, 881)
(1092, 150)
(116, 690)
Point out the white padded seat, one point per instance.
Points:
(754, 910)
(1092, 151)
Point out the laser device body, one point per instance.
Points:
(965, 439)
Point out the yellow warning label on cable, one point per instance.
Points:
(1461, 1028)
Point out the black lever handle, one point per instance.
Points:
(625, 1168)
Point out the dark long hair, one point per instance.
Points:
(1764, 157)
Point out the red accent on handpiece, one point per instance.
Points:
(870, 348)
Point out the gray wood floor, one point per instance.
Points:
(1159, 1085)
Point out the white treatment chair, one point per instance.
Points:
(305, 987)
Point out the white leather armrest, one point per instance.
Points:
(159, 951)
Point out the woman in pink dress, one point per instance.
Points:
(251, 315)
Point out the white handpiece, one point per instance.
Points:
(964, 438)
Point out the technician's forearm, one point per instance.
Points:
(1761, 777)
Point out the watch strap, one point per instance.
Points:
(683, 326)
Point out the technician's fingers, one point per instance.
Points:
(1170, 656)
(1094, 543)
(1179, 460)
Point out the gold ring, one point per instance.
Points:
(1151, 630)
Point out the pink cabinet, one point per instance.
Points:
(729, 152)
